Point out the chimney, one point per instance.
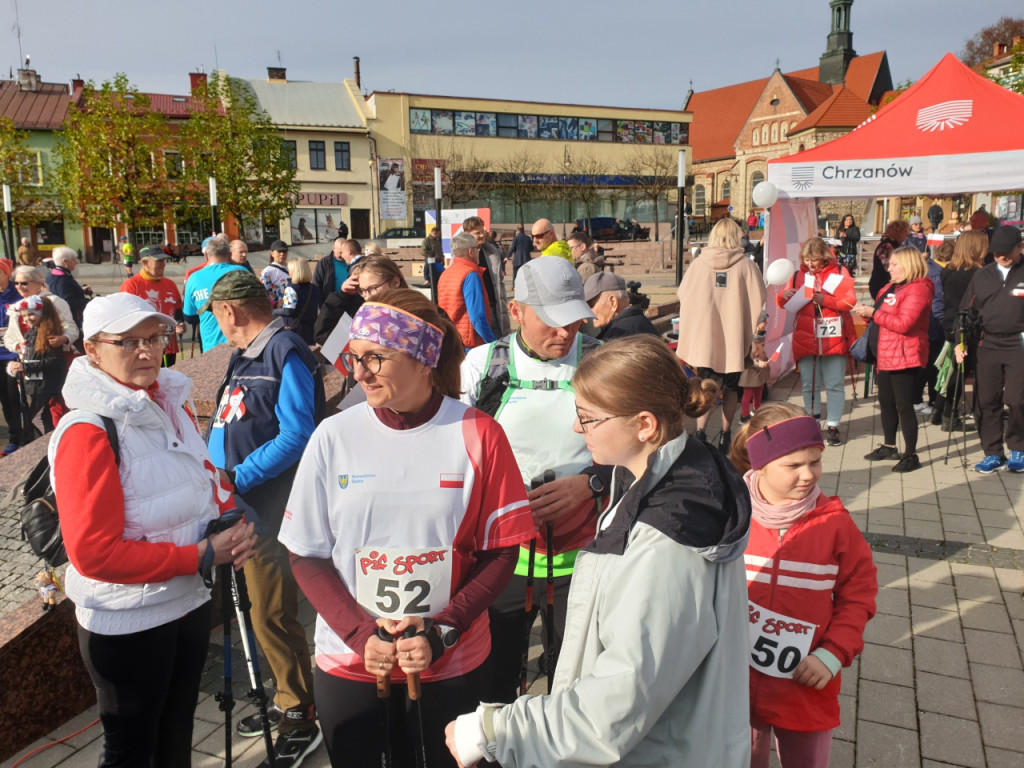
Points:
(276, 74)
(1018, 40)
(998, 49)
(196, 81)
(77, 86)
(28, 80)
(355, 61)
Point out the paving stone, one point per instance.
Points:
(998, 502)
(1011, 580)
(925, 530)
(1001, 758)
(1001, 726)
(932, 595)
(52, 755)
(931, 622)
(938, 656)
(952, 740)
(883, 703)
(945, 695)
(966, 569)
(884, 746)
(1006, 539)
(849, 678)
(956, 525)
(998, 685)
(890, 575)
(892, 665)
(847, 718)
(895, 602)
(937, 572)
(888, 630)
(842, 754)
(992, 648)
(987, 616)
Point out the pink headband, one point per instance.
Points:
(33, 304)
(395, 329)
(777, 440)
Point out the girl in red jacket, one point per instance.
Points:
(899, 339)
(822, 331)
(811, 586)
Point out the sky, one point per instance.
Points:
(597, 52)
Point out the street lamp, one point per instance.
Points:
(432, 277)
(10, 223)
(213, 205)
(681, 227)
(566, 164)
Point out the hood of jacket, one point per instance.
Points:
(721, 258)
(690, 493)
(90, 389)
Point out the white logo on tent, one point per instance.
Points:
(949, 114)
(802, 177)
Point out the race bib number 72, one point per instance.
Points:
(394, 582)
(777, 643)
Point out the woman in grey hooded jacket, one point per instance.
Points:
(653, 668)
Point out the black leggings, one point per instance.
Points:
(896, 397)
(147, 686)
(352, 717)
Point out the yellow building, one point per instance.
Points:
(522, 159)
(325, 124)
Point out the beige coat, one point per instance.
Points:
(720, 302)
(590, 264)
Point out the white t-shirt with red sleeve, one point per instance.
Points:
(401, 514)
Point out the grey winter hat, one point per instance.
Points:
(916, 220)
(552, 286)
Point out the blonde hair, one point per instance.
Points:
(383, 267)
(970, 249)
(815, 246)
(725, 234)
(373, 249)
(640, 373)
(299, 271)
(911, 260)
(765, 416)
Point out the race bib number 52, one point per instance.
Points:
(394, 582)
(777, 643)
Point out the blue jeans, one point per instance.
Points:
(831, 378)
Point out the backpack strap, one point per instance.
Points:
(115, 443)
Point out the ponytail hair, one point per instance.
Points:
(765, 416)
(640, 373)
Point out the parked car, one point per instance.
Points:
(399, 237)
(610, 228)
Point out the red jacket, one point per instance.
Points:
(832, 583)
(902, 321)
(451, 300)
(838, 305)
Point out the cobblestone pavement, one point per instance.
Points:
(941, 679)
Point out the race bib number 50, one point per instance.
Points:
(394, 582)
(777, 643)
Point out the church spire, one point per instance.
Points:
(837, 56)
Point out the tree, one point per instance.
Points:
(978, 49)
(106, 157)
(464, 176)
(583, 181)
(1012, 76)
(520, 177)
(652, 172)
(19, 168)
(230, 137)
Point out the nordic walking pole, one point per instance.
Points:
(384, 696)
(549, 536)
(226, 697)
(258, 694)
(527, 613)
(414, 696)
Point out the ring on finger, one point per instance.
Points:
(380, 664)
(408, 656)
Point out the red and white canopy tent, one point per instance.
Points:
(952, 132)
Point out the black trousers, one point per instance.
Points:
(353, 721)
(507, 630)
(929, 374)
(147, 686)
(11, 405)
(896, 398)
(999, 382)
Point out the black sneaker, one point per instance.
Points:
(744, 419)
(725, 441)
(883, 452)
(292, 747)
(937, 417)
(701, 435)
(832, 436)
(251, 726)
(908, 463)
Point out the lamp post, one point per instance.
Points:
(213, 205)
(681, 227)
(9, 244)
(765, 196)
(432, 278)
(566, 165)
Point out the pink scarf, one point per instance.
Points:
(777, 516)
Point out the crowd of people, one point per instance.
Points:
(701, 600)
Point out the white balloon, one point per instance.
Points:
(765, 194)
(780, 272)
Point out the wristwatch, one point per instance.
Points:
(449, 635)
(596, 485)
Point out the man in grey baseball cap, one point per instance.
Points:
(524, 381)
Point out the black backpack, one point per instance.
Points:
(40, 523)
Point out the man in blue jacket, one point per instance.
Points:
(269, 403)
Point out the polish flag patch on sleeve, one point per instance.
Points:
(452, 481)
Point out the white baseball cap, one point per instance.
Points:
(553, 287)
(117, 313)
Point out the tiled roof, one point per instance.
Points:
(718, 116)
(810, 93)
(863, 72)
(170, 105)
(843, 109)
(40, 110)
(301, 103)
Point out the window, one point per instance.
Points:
(30, 170)
(173, 164)
(764, 133)
(756, 179)
(775, 132)
(317, 156)
(756, 137)
(726, 190)
(290, 151)
(699, 200)
(144, 237)
(342, 156)
(606, 130)
(508, 126)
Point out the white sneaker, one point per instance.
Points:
(924, 409)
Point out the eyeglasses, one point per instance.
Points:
(371, 361)
(132, 344)
(574, 246)
(372, 289)
(541, 235)
(584, 422)
(17, 283)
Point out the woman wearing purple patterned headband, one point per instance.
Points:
(404, 523)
